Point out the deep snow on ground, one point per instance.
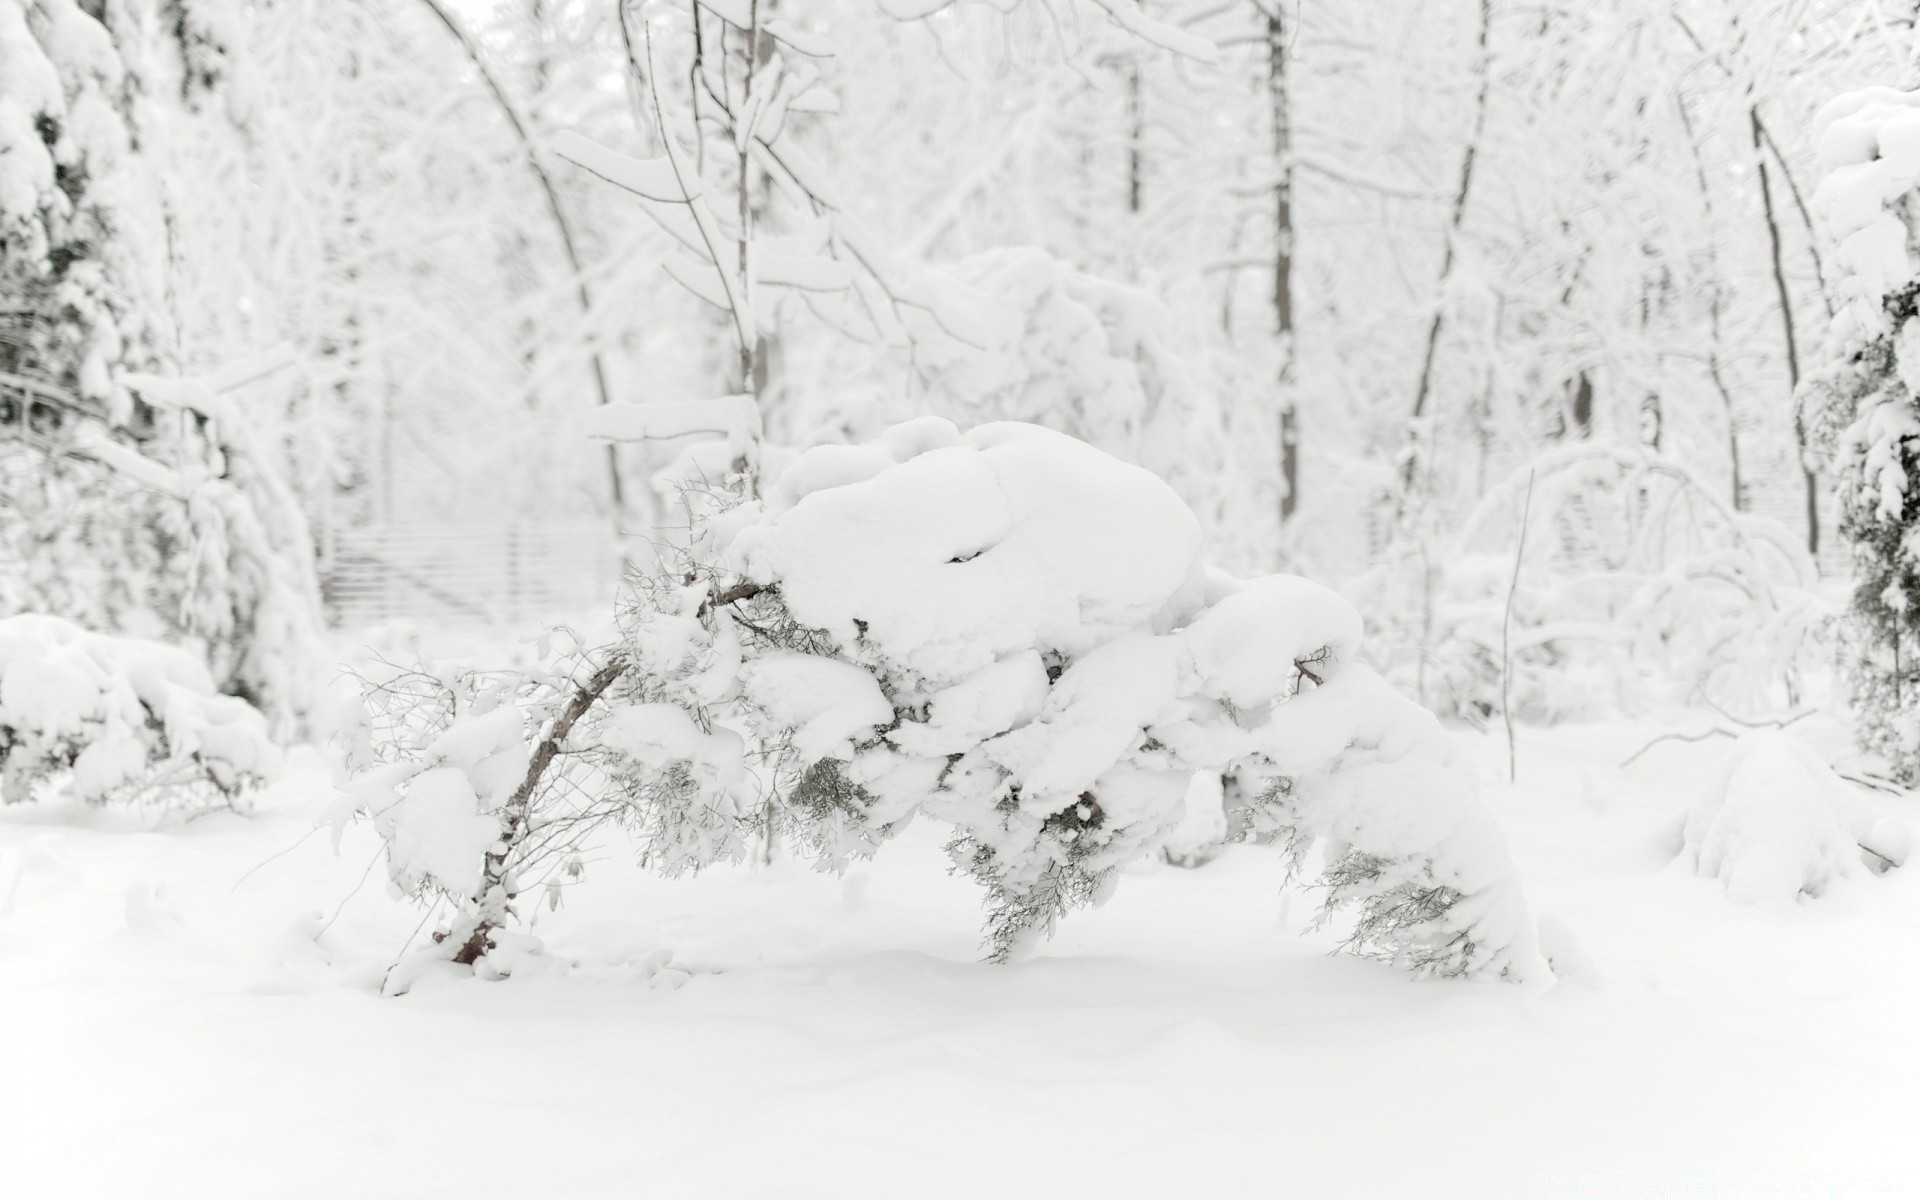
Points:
(190, 1009)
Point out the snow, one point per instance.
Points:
(831, 706)
(439, 814)
(1092, 717)
(1245, 645)
(659, 735)
(811, 44)
(1780, 823)
(1025, 623)
(205, 1022)
(106, 712)
(650, 178)
(1869, 156)
(994, 699)
(1015, 538)
(808, 274)
(438, 830)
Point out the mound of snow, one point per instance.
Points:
(1023, 642)
(441, 812)
(1005, 539)
(1779, 823)
(112, 713)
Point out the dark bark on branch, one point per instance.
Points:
(733, 595)
(521, 803)
(1786, 321)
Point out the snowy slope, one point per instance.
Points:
(173, 1028)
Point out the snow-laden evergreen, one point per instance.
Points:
(1004, 630)
(1863, 407)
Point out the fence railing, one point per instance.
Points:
(468, 574)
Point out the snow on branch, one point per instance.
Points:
(649, 178)
(1006, 631)
(727, 416)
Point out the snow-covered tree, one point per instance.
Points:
(135, 505)
(1004, 630)
(1863, 407)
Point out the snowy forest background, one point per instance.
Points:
(416, 421)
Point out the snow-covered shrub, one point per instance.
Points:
(438, 762)
(1637, 584)
(1779, 823)
(119, 718)
(1863, 409)
(1006, 631)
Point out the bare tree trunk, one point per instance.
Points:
(749, 377)
(1583, 406)
(1716, 301)
(1506, 634)
(561, 225)
(1786, 324)
(1279, 105)
(1425, 386)
(1136, 137)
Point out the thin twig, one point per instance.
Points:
(1506, 634)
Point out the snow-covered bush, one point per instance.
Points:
(439, 764)
(119, 718)
(1006, 631)
(1779, 823)
(146, 507)
(1637, 584)
(1863, 409)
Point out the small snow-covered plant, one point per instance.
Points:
(1863, 408)
(457, 772)
(1635, 583)
(1778, 824)
(1006, 631)
(119, 718)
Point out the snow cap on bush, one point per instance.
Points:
(1778, 824)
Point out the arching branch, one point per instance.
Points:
(560, 223)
